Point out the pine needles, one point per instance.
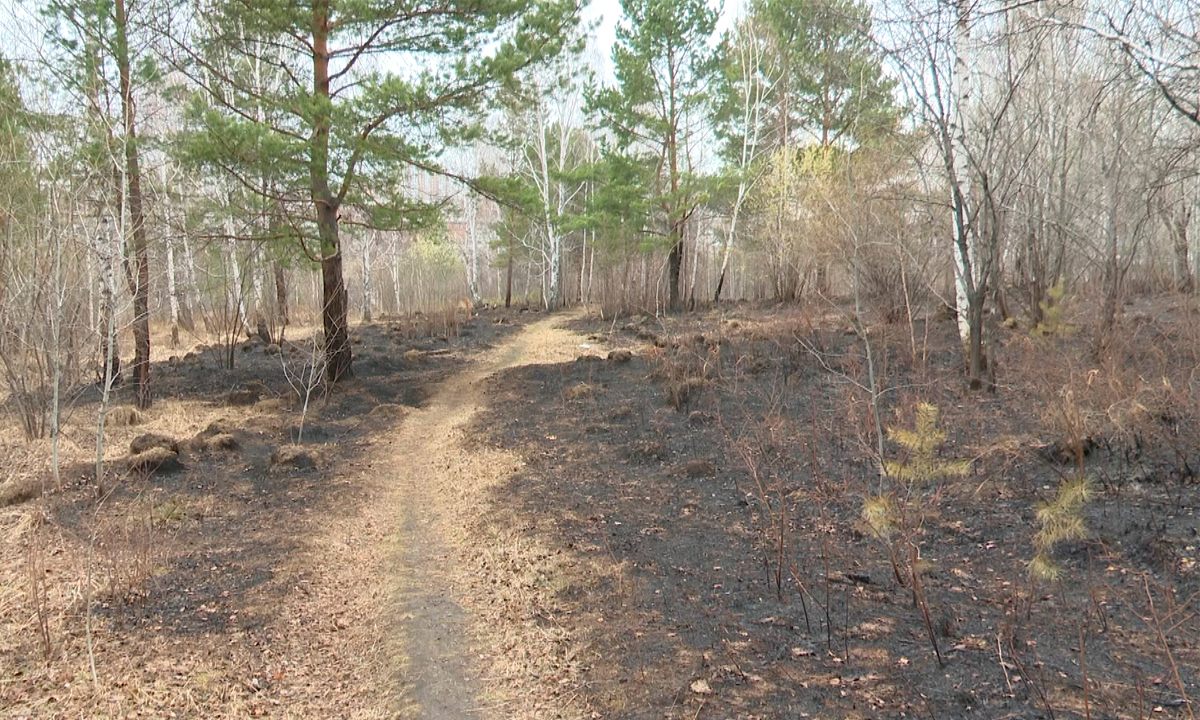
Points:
(1059, 520)
(895, 517)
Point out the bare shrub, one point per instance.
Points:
(891, 281)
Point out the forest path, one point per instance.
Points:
(440, 486)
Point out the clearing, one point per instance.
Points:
(510, 517)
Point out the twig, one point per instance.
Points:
(919, 596)
(1087, 705)
(1158, 628)
(88, 590)
(1003, 665)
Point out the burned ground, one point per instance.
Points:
(675, 532)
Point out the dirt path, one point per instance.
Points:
(439, 486)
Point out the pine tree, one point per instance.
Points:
(827, 75)
(97, 40)
(370, 90)
(1059, 520)
(663, 66)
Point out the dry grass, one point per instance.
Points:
(117, 551)
(580, 391)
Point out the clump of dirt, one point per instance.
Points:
(155, 459)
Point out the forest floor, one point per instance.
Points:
(511, 517)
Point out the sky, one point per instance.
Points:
(608, 13)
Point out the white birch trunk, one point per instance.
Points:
(695, 263)
(191, 291)
(964, 245)
(472, 213)
(172, 291)
(583, 269)
(258, 267)
(172, 288)
(240, 305)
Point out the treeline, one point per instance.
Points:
(223, 168)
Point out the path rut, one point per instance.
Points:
(439, 487)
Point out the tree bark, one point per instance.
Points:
(508, 275)
(675, 261)
(172, 293)
(281, 300)
(1179, 236)
(140, 274)
(338, 356)
(110, 352)
(186, 317)
(960, 167)
(1112, 270)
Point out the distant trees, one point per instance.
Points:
(105, 70)
(980, 153)
(739, 108)
(795, 75)
(550, 150)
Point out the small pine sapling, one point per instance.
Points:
(1059, 520)
(896, 515)
(922, 443)
(1052, 308)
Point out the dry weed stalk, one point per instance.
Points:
(1162, 625)
(763, 453)
(39, 596)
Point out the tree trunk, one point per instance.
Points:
(110, 352)
(257, 264)
(1112, 270)
(976, 360)
(729, 239)
(186, 316)
(240, 324)
(1179, 237)
(172, 285)
(172, 293)
(140, 286)
(367, 280)
(960, 167)
(395, 250)
(281, 300)
(338, 357)
(473, 232)
(675, 261)
(508, 274)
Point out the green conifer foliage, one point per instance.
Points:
(1052, 322)
(922, 443)
(325, 107)
(894, 515)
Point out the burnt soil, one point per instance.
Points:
(510, 523)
